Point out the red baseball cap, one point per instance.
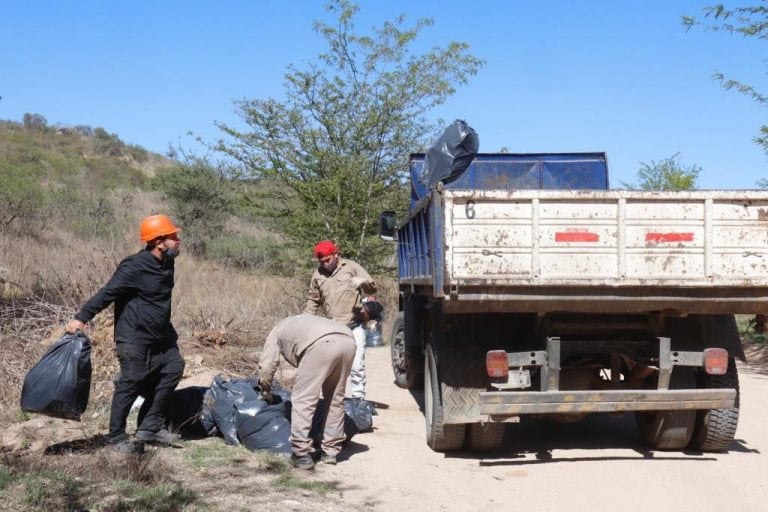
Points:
(325, 248)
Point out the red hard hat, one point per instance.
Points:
(156, 226)
(325, 248)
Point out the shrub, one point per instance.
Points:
(84, 129)
(89, 216)
(20, 197)
(246, 252)
(108, 143)
(35, 121)
(200, 199)
(138, 153)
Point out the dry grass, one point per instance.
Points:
(206, 475)
(57, 268)
(83, 475)
(222, 316)
(18, 357)
(208, 297)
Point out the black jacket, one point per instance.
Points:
(141, 290)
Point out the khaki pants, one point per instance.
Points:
(323, 368)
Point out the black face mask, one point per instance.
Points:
(171, 253)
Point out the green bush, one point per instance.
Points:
(35, 121)
(249, 253)
(138, 153)
(108, 143)
(200, 199)
(89, 216)
(21, 197)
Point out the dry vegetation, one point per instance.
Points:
(222, 316)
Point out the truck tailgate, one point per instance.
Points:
(695, 251)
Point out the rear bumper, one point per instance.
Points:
(509, 403)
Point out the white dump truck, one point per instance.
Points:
(528, 287)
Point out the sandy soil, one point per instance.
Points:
(551, 466)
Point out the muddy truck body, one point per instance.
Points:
(528, 287)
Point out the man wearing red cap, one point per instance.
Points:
(336, 290)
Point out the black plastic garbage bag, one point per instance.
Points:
(450, 155)
(358, 415)
(225, 394)
(59, 384)
(280, 394)
(261, 426)
(206, 415)
(184, 412)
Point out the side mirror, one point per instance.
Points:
(387, 226)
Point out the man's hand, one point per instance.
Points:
(73, 326)
(266, 390)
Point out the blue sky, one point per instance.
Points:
(596, 75)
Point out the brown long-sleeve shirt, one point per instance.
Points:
(335, 294)
(291, 337)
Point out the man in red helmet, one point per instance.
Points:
(150, 363)
(336, 290)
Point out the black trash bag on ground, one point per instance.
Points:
(280, 394)
(60, 383)
(184, 412)
(262, 426)
(225, 394)
(358, 417)
(206, 415)
(450, 155)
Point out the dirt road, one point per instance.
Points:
(542, 466)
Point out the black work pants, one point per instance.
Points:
(148, 371)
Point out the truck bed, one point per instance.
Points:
(590, 250)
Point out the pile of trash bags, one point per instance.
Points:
(235, 410)
(59, 384)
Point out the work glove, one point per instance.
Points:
(357, 282)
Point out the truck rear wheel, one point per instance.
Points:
(715, 428)
(485, 437)
(666, 430)
(440, 437)
(669, 430)
(407, 365)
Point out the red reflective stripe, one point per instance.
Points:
(669, 237)
(576, 236)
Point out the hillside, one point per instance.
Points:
(77, 155)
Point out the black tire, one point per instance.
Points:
(669, 430)
(440, 437)
(407, 365)
(485, 437)
(716, 428)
